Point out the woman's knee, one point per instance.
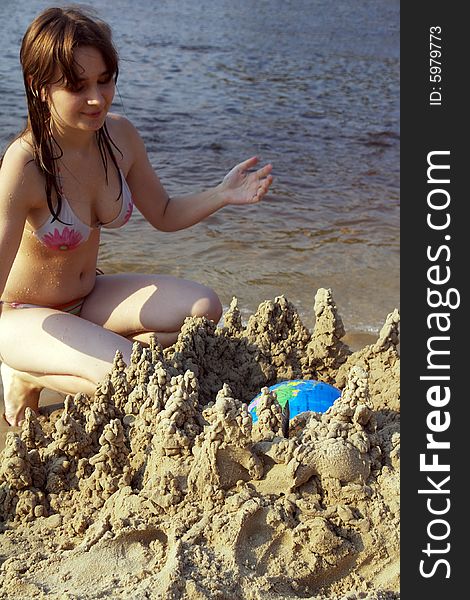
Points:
(207, 305)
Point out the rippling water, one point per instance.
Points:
(311, 86)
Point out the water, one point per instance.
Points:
(311, 86)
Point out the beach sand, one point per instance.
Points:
(162, 487)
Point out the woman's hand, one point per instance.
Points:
(241, 187)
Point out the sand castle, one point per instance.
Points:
(161, 486)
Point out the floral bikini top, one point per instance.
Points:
(70, 232)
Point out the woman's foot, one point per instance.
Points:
(18, 393)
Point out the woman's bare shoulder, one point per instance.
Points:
(125, 136)
(20, 155)
(123, 130)
(19, 173)
(20, 151)
(119, 125)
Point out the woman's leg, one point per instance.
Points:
(136, 305)
(45, 348)
(72, 354)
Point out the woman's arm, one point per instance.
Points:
(18, 174)
(238, 187)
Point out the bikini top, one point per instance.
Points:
(70, 232)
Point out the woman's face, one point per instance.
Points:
(84, 108)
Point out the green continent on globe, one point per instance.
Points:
(286, 391)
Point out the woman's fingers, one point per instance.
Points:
(265, 170)
(263, 178)
(263, 188)
(248, 164)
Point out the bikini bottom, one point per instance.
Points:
(74, 307)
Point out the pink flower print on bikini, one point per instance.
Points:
(128, 214)
(67, 239)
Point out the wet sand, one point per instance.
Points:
(162, 487)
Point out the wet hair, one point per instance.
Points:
(48, 45)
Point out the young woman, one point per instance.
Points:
(75, 169)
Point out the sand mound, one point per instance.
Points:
(162, 487)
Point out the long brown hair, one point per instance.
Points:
(49, 43)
